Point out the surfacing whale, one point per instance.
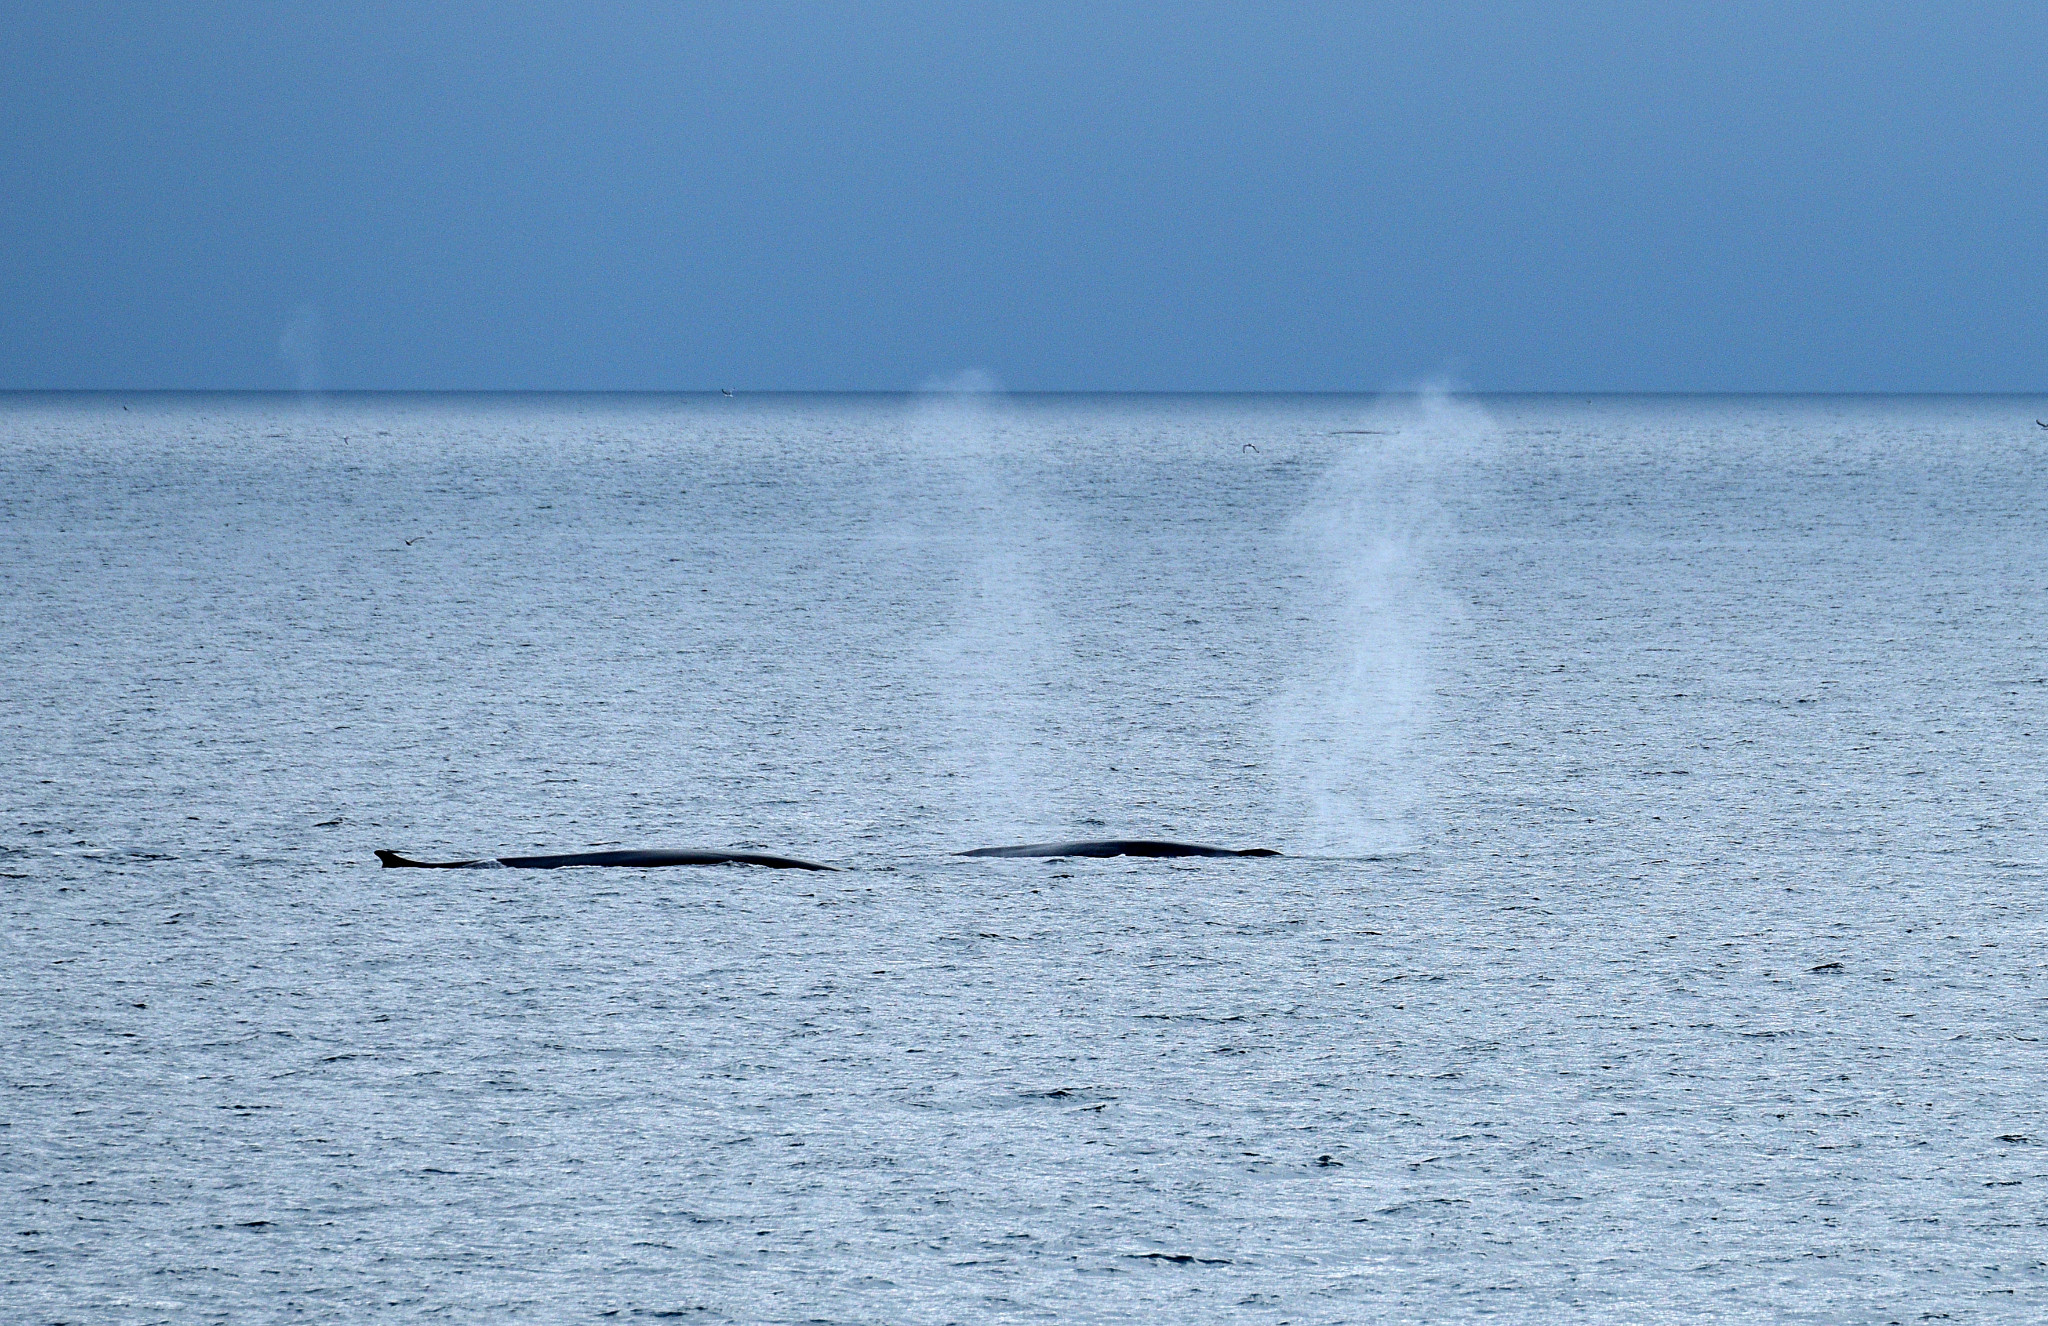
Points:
(653, 858)
(1120, 847)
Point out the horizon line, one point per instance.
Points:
(310, 396)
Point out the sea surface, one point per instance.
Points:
(1660, 935)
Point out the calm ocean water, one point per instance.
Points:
(1661, 936)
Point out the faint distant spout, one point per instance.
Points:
(299, 345)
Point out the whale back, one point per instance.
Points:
(393, 860)
(1108, 847)
(657, 857)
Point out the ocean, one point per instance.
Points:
(1659, 935)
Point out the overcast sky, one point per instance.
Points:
(1146, 196)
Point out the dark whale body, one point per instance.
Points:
(1119, 847)
(655, 858)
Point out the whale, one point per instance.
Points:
(657, 857)
(1120, 847)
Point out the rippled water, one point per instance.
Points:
(1661, 936)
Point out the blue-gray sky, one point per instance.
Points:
(1147, 196)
